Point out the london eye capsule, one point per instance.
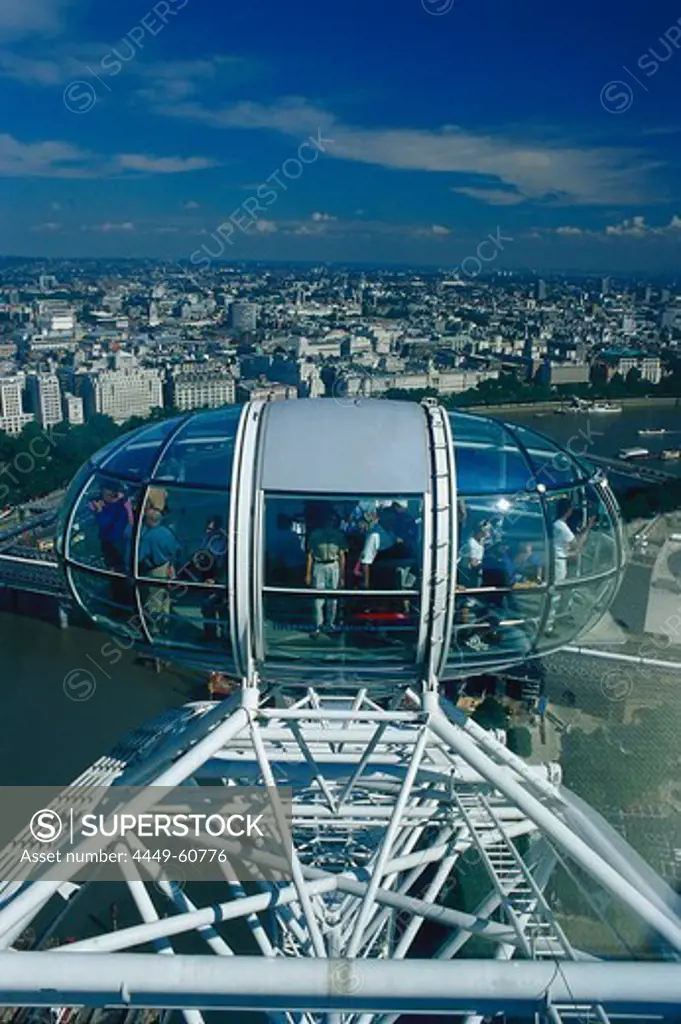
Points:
(341, 544)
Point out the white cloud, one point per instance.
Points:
(191, 204)
(55, 159)
(493, 196)
(631, 227)
(49, 226)
(331, 226)
(42, 159)
(108, 227)
(562, 172)
(163, 164)
(32, 71)
(319, 217)
(266, 227)
(635, 227)
(20, 18)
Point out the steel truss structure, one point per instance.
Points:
(396, 804)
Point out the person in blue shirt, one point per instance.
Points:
(158, 552)
(114, 517)
(113, 513)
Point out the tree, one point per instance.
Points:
(491, 714)
(519, 741)
(633, 379)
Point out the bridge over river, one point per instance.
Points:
(634, 469)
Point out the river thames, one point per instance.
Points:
(607, 433)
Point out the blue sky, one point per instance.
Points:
(138, 128)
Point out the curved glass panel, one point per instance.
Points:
(110, 601)
(601, 552)
(495, 626)
(203, 451)
(502, 541)
(575, 609)
(583, 534)
(103, 453)
(102, 528)
(178, 615)
(137, 456)
(74, 489)
(551, 465)
(488, 460)
(183, 535)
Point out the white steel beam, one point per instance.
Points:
(414, 986)
(457, 737)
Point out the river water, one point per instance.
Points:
(607, 433)
(63, 705)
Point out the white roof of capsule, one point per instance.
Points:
(343, 446)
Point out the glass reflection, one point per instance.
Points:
(102, 527)
(352, 628)
(109, 600)
(600, 551)
(203, 450)
(487, 457)
(488, 626)
(136, 457)
(583, 534)
(551, 465)
(187, 616)
(574, 610)
(72, 495)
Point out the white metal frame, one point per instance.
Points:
(391, 804)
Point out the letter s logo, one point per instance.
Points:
(45, 825)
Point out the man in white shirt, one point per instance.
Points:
(472, 554)
(396, 530)
(566, 545)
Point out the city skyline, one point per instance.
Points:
(422, 134)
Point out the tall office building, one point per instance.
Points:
(243, 316)
(44, 394)
(121, 394)
(72, 407)
(12, 416)
(201, 390)
(605, 285)
(541, 290)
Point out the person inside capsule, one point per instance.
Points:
(325, 569)
(158, 554)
